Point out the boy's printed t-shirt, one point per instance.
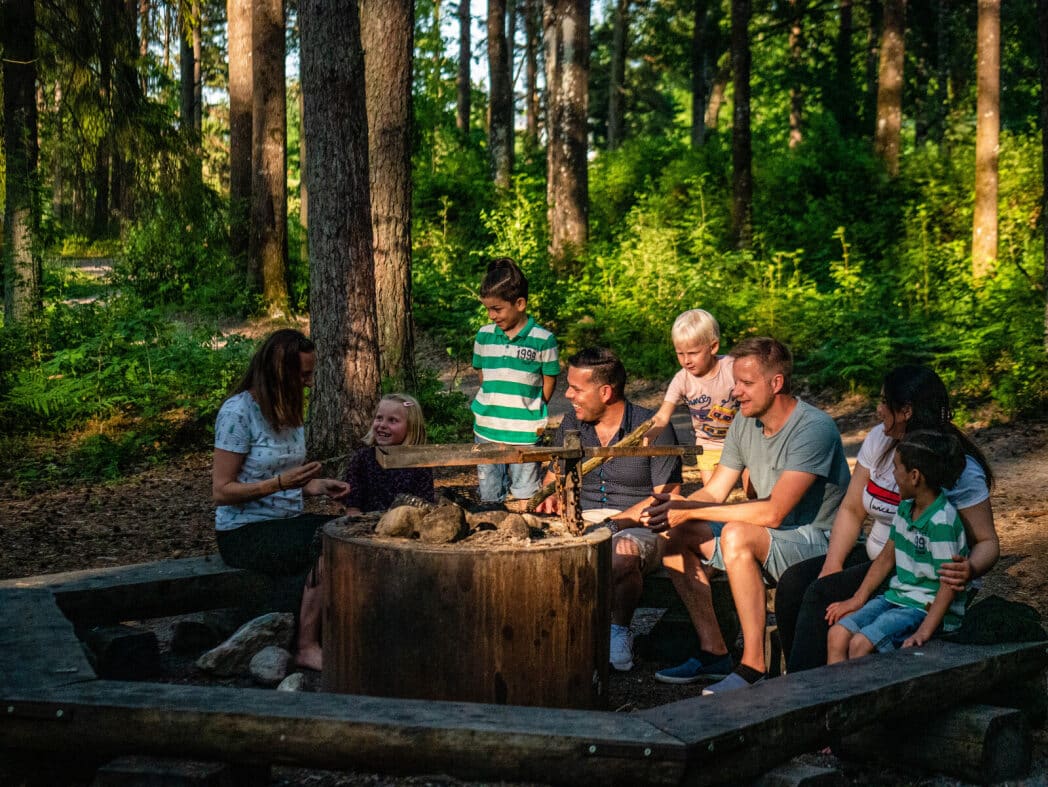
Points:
(509, 407)
(709, 401)
(922, 546)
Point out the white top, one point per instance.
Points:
(242, 429)
(709, 401)
(880, 498)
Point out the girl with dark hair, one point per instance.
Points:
(259, 474)
(912, 398)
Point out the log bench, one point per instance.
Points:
(52, 704)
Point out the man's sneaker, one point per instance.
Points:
(731, 683)
(694, 670)
(621, 656)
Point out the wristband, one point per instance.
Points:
(612, 525)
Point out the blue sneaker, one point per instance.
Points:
(733, 682)
(694, 670)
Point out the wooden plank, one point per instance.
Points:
(495, 742)
(38, 646)
(778, 719)
(147, 590)
(453, 454)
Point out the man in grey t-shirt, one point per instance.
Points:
(796, 462)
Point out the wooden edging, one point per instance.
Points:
(51, 701)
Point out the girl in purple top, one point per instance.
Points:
(398, 421)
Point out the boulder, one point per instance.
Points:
(400, 522)
(234, 655)
(269, 666)
(443, 525)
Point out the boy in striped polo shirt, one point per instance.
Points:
(516, 360)
(926, 532)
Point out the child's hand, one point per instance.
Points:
(916, 639)
(551, 505)
(329, 487)
(838, 609)
(651, 435)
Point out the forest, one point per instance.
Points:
(863, 179)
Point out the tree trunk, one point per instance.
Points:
(500, 105)
(796, 46)
(843, 108)
(58, 182)
(567, 40)
(189, 49)
(128, 100)
(941, 96)
(987, 136)
(531, 75)
(698, 76)
(717, 91)
(617, 85)
(238, 13)
(303, 190)
(22, 272)
(145, 12)
(887, 138)
(387, 35)
(875, 12)
(267, 253)
(463, 84)
(105, 100)
(1042, 38)
(341, 269)
(741, 142)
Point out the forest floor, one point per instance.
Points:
(165, 511)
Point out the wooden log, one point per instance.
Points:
(633, 438)
(148, 590)
(401, 456)
(976, 743)
(38, 645)
(518, 624)
(138, 771)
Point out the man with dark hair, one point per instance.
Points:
(618, 491)
(796, 462)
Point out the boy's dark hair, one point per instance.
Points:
(939, 456)
(606, 367)
(504, 280)
(772, 354)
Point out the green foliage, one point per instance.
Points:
(447, 413)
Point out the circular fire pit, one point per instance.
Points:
(521, 623)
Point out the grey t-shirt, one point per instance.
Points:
(808, 442)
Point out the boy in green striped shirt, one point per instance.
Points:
(926, 532)
(516, 360)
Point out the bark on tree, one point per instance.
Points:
(238, 13)
(387, 35)
(987, 135)
(145, 13)
(699, 62)
(500, 103)
(842, 97)
(874, 15)
(191, 93)
(22, 269)
(617, 86)
(303, 190)
(1042, 62)
(796, 46)
(718, 89)
(887, 138)
(267, 252)
(741, 141)
(567, 37)
(462, 82)
(342, 271)
(531, 74)
(105, 100)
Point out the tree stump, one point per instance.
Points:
(519, 623)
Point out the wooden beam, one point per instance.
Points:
(400, 456)
(38, 646)
(736, 736)
(473, 741)
(148, 590)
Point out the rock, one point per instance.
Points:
(531, 520)
(400, 522)
(514, 526)
(296, 681)
(269, 666)
(485, 520)
(443, 525)
(124, 652)
(404, 499)
(234, 655)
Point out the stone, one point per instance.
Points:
(404, 499)
(234, 655)
(486, 520)
(123, 652)
(443, 525)
(296, 681)
(269, 666)
(514, 526)
(400, 522)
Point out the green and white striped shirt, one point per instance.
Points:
(922, 546)
(509, 407)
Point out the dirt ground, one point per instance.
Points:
(165, 511)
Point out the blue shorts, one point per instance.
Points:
(884, 624)
(787, 547)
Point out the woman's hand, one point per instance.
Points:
(956, 574)
(329, 487)
(298, 477)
